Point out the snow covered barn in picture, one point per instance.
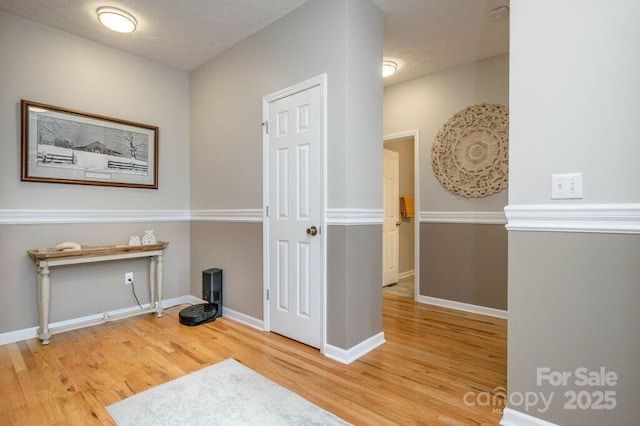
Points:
(77, 145)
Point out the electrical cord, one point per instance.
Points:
(133, 290)
(134, 294)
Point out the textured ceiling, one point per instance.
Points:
(421, 36)
(183, 34)
(426, 36)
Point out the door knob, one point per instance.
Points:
(312, 231)
(398, 223)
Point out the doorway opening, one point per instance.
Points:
(401, 249)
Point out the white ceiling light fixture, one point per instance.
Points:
(117, 19)
(389, 68)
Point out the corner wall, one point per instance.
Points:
(462, 240)
(46, 65)
(573, 264)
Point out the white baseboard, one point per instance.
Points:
(32, 332)
(347, 356)
(460, 306)
(193, 300)
(18, 335)
(515, 418)
(226, 312)
(406, 274)
(243, 318)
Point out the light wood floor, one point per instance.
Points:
(432, 358)
(404, 287)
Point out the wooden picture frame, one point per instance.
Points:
(60, 145)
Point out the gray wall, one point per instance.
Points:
(580, 81)
(340, 38)
(236, 248)
(50, 66)
(464, 262)
(363, 99)
(337, 37)
(425, 104)
(46, 65)
(574, 104)
(428, 102)
(226, 104)
(354, 284)
(573, 303)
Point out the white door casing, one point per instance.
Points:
(415, 134)
(294, 200)
(390, 231)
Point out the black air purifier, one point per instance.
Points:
(212, 293)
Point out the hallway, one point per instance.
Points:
(404, 287)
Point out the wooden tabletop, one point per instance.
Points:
(93, 250)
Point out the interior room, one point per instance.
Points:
(252, 139)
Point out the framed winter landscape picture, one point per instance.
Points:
(66, 146)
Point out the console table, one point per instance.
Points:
(48, 257)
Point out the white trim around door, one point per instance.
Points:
(321, 81)
(415, 134)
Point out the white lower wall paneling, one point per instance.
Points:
(451, 304)
(32, 332)
(515, 418)
(347, 356)
(407, 274)
(247, 320)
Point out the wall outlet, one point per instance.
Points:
(128, 278)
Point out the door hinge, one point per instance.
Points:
(267, 211)
(268, 295)
(266, 126)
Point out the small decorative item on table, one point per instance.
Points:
(134, 240)
(148, 238)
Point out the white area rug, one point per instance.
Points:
(227, 393)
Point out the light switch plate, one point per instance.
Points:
(566, 186)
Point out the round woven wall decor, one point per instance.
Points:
(470, 154)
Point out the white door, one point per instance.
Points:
(390, 231)
(295, 291)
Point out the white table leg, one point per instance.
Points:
(44, 290)
(159, 284)
(152, 284)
